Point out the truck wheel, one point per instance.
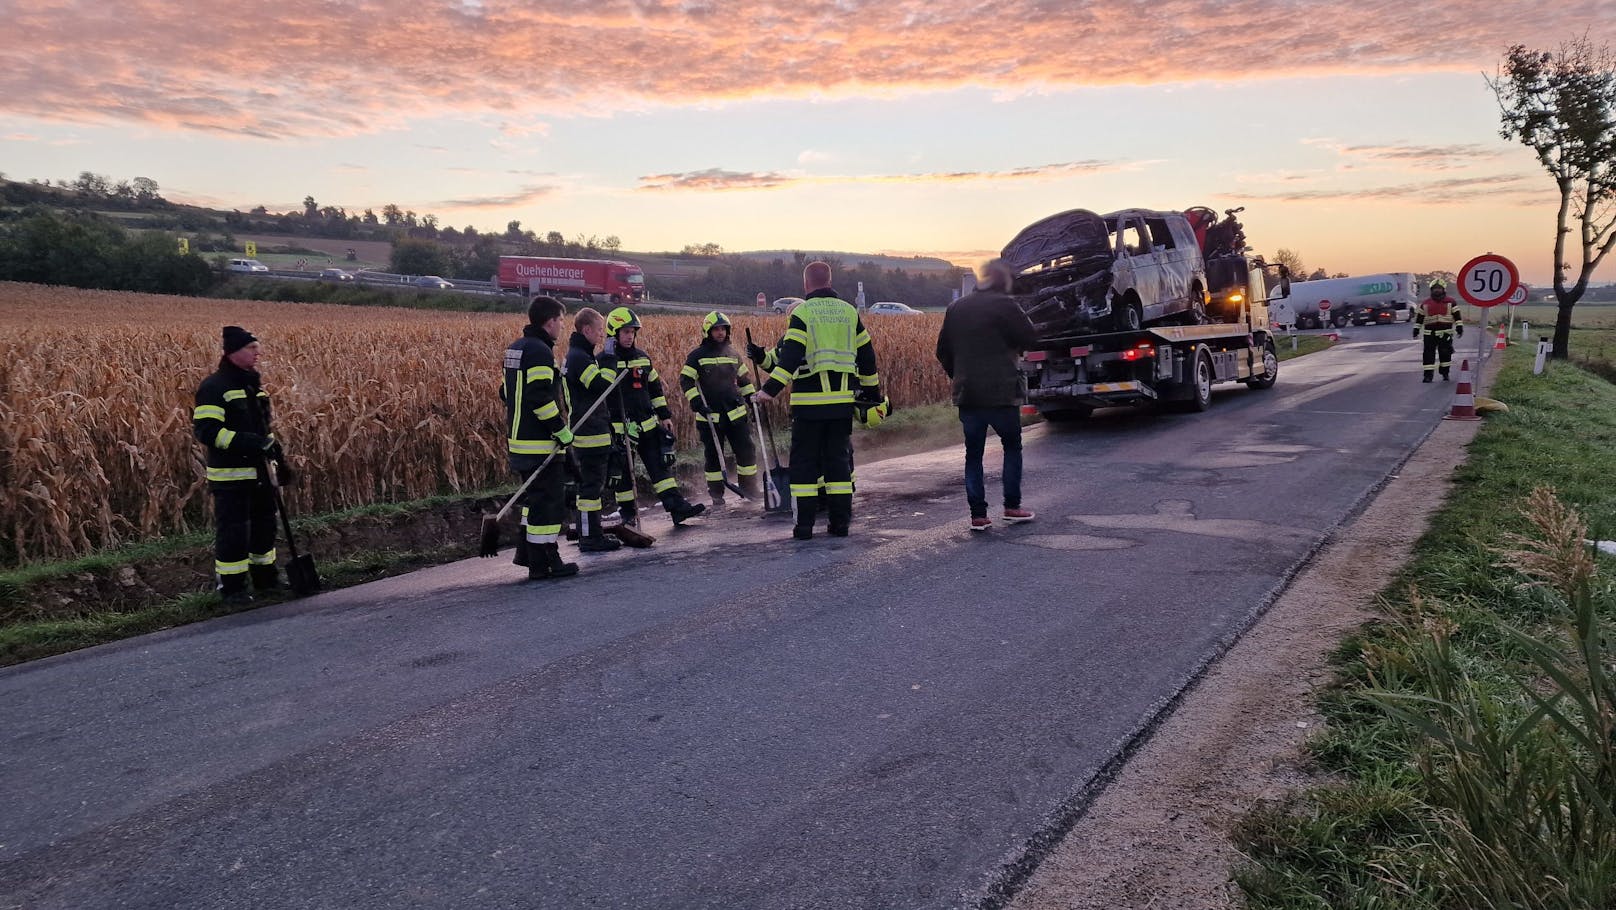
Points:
(1067, 415)
(1196, 314)
(1200, 383)
(1341, 320)
(1270, 375)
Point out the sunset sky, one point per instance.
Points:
(1360, 134)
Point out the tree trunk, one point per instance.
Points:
(1562, 328)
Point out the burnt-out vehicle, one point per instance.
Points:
(1078, 272)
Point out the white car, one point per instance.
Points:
(432, 281)
(245, 265)
(784, 304)
(894, 308)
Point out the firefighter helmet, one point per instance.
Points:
(871, 413)
(712, 321)
(1438, 283)
(621, 318)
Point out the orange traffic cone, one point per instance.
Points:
(1503, 340)
(1464, 399)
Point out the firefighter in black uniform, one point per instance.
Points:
(592, 439)
(536, 427)
(1438, 319)
(641, 417)
(827, 359)
(231, 419)
(719, 402)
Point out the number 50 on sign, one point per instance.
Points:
(1489, 280)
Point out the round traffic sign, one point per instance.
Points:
(762, 301)
(1519, 297)
(1324, 304)
(1488, 280)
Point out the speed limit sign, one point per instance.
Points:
(1519, 297)
(1487, 281)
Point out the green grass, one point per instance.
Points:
(1305, 344)
(1452, 787)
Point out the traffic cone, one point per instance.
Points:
(1464, 398)
(1503, 340)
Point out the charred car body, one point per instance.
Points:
(1141, 306)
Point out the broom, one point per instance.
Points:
(490, 531)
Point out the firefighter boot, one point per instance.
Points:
(750, 487)
(680, 508)
(265, 578)
(233, 590)
(839, 507)
(716, 492)
(592, 537)
(520, 556)
(546, 563)
(629, 513)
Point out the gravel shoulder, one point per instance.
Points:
(1158, 834)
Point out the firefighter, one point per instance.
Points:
(1440, 320)
(232, 419)
(640, 415)
(592, 439)
(827, 358)
(537, 428)
(718, 386)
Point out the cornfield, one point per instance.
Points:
(372, 405)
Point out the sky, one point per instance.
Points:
(1361, 135)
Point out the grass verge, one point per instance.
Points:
(1469, 751)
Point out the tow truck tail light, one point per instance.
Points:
(1139, 351)
(1082, 351)
(1035, 356)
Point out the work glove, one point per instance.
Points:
(272, 449)
(563, 436)
(756, 353)
(1416, 332)
(631, 430)
(1459, 330)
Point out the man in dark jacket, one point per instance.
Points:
(533, 394)
(716, 382)
(592, 438)
(231, 419)
(982, 337)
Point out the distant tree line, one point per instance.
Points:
(734, 281)
(85, 250)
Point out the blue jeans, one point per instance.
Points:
(1006, 422)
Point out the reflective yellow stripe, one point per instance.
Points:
(235, 395)
(531, 447)
(592, 442)
(747, 388)
(797, 335)
(664, 485)
(688, 370)
(589, 374)
(715, 476)
(692, 393)
(540, 373)
(835, 396)
(549, 410)
(738, 413)
(238, 567)
(804, 490)
(648, 423)
(651, 374)
(617, 428)
(659, 402)
(715, 361)
(839, 487)
(224, 438)
(870, 379)
(223, 475)
(625, 495)
(746, 470)
(638, 362)
(589, 505)
(860, 340)
(780, 374)
(262, 559)
(207, 412)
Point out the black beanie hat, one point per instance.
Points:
(236, 338)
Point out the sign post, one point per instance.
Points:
(1324, 315)
(1485, 282)
(1515, 300)
(762, 301)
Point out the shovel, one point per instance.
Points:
(776, 480)
(300, 572)
(489, 545)
(628, 534)
(718, 444)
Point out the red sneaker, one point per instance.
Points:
(981, 524)
(1016, 516)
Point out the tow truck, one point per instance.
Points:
(1070, 374)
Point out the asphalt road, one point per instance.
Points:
(900, 719)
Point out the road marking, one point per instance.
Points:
(1179, 515)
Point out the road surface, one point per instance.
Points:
(901, 719)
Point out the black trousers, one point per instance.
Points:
(822, 449)
(593, 466)
(648, 451)
(544, 505)
(244, 531)
(738, 434)
(1438, 352)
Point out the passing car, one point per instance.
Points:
(784, 304)
(337, 275)
(893, 308)
(1115, 272)
(432, 281)
(245, 265)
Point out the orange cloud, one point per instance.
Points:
(1512, 189)
(523, 196)
(720, 179)
(342, 67)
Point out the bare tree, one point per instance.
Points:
(1292, 261)
(1562, 105)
